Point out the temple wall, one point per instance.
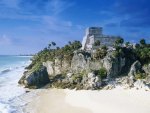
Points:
(95, 33)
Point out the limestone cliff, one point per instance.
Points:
(83, 72)
(36, 78)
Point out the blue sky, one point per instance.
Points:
(26, 26)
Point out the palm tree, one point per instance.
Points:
(53, 43)
(69, 43)
(57, 48)
(49, 46)
(142, 42)
(119, 41)
(127, 44)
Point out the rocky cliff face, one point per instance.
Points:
(83, 72)
(146, 68)
(35, 79)
(82, 63)
(113, 65)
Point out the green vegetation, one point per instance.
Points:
(142, 52)
(143, 42)
(120, 51)
(118, 46)
(51, 52)
(140, 75)
(97, 43)
(102, 72)
(36, 67)
(127, 44)
(100, 53)
(119, 41)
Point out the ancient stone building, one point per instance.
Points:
(96, 33)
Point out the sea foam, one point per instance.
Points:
(9, 88)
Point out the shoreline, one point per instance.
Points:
(11, 70)
(52, 101)
(87, 101)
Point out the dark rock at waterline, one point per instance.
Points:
(27, 91)
(35, 79)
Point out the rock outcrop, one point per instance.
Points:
(146, 68)
(50, 68)
(35, 79)
(113, 65)
(92, 81)
(135, 68)
(140, 84)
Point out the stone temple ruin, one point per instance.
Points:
(96, 33)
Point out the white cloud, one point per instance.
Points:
(4, 40)
(56, 24)
(59, 6)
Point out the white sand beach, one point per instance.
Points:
(52, 101)
(103, 101)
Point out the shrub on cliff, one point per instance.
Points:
(118, 52)
(140, 75)
(97, 43)
(100, 53)
(141, 51)
(102, 72)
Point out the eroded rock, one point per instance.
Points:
(113, 66)
(140, 84)
(146, 68)
(135, 68)
(92, 81)
(35, 79)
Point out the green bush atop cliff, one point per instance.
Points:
(100, 53)
(118, 52)
(51, 52)
(142, 52)
(36, 67)
(119, 41)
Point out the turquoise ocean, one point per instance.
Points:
(11, 70)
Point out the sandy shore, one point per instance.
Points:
(52, 101)
(104, 101)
